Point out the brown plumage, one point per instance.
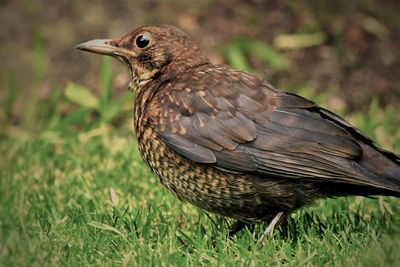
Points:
(230, 143)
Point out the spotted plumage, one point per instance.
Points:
(230, 143)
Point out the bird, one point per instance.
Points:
(232, 144)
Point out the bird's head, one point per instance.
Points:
(150, 52)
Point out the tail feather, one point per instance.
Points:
(393, 175)
(382, 166)
(385, 167)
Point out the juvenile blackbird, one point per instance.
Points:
(230, 143)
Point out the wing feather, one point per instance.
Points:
(247, 126)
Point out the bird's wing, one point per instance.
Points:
(240, 124)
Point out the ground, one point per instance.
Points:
(73, 188)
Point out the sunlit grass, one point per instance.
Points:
(95, 202)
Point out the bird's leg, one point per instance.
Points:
(271, 227)
(238, 226)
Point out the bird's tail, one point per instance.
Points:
(385, 167)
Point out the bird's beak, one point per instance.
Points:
(99, 46)
(104, 47)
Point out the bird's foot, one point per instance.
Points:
(238, 226)
(271, 227)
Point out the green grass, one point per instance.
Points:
(96, 203)
(74, 191)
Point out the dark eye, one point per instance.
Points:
(142, 41)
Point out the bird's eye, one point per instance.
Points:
(142, 41)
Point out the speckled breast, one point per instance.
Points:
(209, 188)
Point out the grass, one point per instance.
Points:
(95, 203)
(74, 191)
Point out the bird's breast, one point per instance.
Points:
(200, 184)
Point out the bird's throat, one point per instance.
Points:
(139, 80)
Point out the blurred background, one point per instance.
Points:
(346, 51)
(73, 188)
